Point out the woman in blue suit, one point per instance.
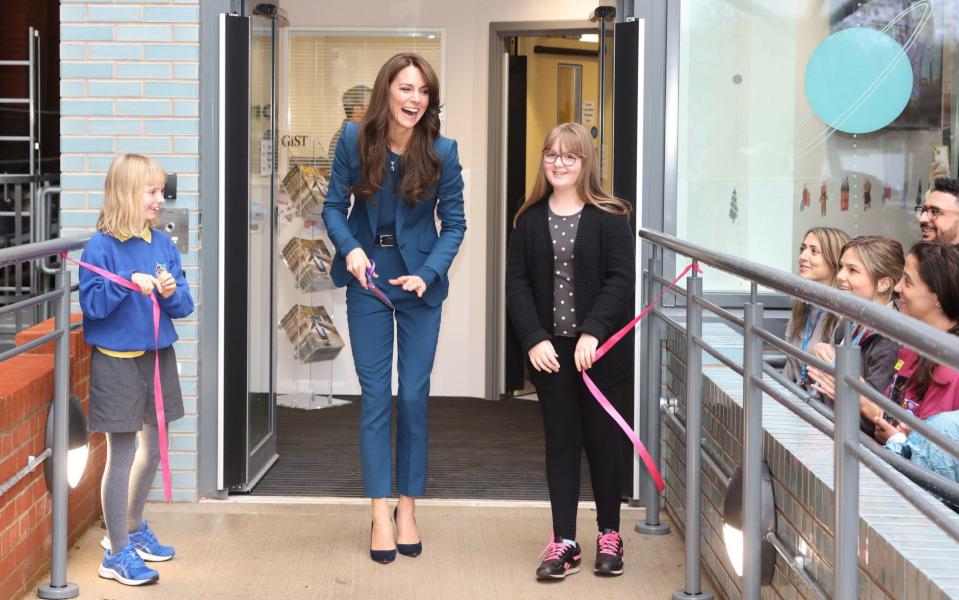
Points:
(400, 171)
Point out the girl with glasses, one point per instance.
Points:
(570, 278)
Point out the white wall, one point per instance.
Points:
(460, 368)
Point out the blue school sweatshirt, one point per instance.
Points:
(118, 318)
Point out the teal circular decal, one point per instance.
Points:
(858, 80)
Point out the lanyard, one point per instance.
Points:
(860, 333)
(157, 386)
(807, 336)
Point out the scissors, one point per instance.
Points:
(372, 287)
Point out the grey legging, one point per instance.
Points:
(126, 481)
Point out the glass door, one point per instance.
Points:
(261, 313)
(247, 314)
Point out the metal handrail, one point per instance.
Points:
(58, 587)
(28, 252)
(924, 339)
(851, 447)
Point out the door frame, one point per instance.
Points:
(499, 33)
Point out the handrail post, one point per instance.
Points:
(694, 420)
(752, 451)
(651, 424)
(59, 586)
(846, 474)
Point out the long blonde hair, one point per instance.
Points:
(573, 138)
(121, 214)
(832, 241)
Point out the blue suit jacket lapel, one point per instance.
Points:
(373, 215)
(401, 210)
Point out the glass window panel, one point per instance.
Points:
(758, 166)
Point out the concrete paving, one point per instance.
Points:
(319, 549)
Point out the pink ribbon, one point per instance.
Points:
(157, 386)
(605, 403)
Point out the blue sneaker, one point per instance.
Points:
(127, 567)
(146, 544)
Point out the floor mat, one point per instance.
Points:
(478, 449)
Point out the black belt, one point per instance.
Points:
(386, 240)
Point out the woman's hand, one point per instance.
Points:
(825, 383)
(146, 283)
(824, 352)
(167, 284)
(585, 352)
(411, 283)
(885, 429)
(357, 263)
(543, 357)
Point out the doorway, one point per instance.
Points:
(544, 74)
(553, 77)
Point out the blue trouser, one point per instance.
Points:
(371, 338)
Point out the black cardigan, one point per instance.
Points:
(604, 281)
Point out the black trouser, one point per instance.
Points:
(574, 420)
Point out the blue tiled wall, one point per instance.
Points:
(129, 83)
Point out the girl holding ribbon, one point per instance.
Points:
(869, 267)
(119, 323)
(810, 325)
(570, 279)
(401, 172)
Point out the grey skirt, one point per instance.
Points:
(121, 391)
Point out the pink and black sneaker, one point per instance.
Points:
(609, 554)
(559, 560)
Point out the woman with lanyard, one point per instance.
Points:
(810, 325)
(928, 291)
(869, 267)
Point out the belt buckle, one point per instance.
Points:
(386, 240)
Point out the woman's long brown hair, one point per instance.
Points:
(419, 164)
(573, 138)
(939, 270)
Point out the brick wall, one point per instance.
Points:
(26, 390)
(902, 553)
(129, 83)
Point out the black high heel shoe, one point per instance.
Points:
(381, 556)
(411, 550)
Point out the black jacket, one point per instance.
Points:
(604, 281)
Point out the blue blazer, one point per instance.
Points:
(425, 253)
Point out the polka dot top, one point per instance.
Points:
(562, 230)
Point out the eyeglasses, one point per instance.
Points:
(934, 211)
(569, 159)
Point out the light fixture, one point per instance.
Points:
(733, 524)
(592, 38)
(78, 448)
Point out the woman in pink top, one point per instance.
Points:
(928, 291)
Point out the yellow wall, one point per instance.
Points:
(541, 98)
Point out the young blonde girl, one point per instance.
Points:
(118, 322)
(570, 278)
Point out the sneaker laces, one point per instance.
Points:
(128, 559)
(609, 543)
(554, 550)
(147, 535)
